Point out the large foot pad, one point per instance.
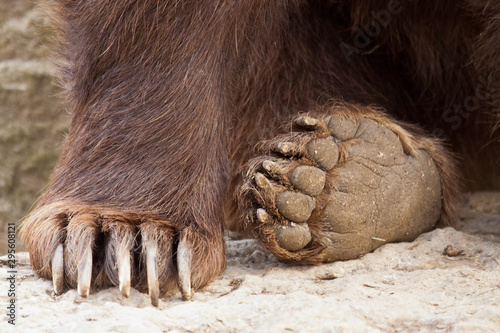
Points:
(338, 187)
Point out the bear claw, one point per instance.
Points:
(262, 215)
(184, 268)
(306, 121)
(124, 272)
(85, 272)
(262, 181)
(57, 264)
(287, 148)
(152, 271)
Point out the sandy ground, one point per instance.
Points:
(405, 287)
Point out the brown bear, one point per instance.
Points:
(323, 128)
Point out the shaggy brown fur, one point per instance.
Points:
(169, 98)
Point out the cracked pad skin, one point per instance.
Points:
(376, 190)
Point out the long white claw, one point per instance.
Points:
(85, 273)
(184, 268)
(58, 270)
(124, 271)
(152, 269)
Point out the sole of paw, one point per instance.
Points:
(339, 187)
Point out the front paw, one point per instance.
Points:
(84, 247)
(338, 187)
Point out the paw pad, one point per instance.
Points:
(295, 206)
(312, 207)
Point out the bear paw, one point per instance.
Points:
(84, 246)
(339, 186)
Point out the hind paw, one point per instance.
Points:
(338, 187)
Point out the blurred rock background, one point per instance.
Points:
(32, 122)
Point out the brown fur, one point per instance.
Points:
(168, 99)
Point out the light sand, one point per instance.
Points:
(405, 287)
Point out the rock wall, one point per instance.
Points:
(32, 122)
